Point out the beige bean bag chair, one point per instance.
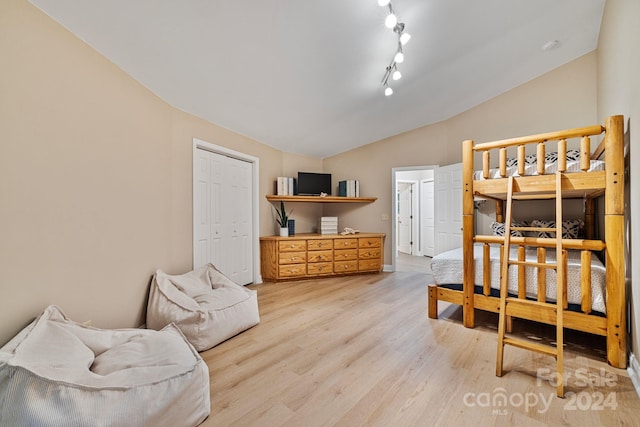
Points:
(206, 305)
(57, 372)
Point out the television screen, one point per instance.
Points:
(312, 184)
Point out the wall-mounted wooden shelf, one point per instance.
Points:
(319, 199)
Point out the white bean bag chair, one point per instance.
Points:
(207, 306)
(57, 372)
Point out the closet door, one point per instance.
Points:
(223, 215)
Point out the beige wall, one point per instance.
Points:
(619, 93)
(561, 99)
(95, 178)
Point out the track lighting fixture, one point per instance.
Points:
(391, 22)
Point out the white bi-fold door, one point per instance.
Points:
(223, 229)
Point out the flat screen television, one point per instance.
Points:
(312, 184)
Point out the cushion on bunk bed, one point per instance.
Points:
(57, 372)
(447, 268)
(207, 306)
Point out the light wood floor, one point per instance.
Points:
(406, 263)
(356, 351)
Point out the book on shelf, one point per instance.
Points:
(286, 186)
(349, 188)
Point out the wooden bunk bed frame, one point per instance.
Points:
(587, 185)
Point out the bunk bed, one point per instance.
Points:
(597, 297)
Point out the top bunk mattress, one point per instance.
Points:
(550, 166)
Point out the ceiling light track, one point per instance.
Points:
(391, 22)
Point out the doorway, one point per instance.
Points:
(413, 226)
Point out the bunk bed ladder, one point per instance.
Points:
(509, 304)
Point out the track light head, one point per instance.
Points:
(391, 20)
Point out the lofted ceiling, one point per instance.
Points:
(305, 76)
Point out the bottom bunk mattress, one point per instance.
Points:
(447, 269)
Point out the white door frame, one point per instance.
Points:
(255, 215)
(394, 209)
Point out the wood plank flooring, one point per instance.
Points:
(360, 351)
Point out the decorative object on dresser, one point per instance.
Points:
(282, 218)
(316, 255)
(328, 225)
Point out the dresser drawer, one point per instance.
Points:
(320, 268)
(314, 245)
(369, 265)
(370, 242)
(293, 270)
(345, 254)
(345, 266)
(345, 244)
(292, 257)
(373, 253)
(320, 256)
(292, 245)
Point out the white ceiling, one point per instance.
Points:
(304, 76)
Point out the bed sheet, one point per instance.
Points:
(447, 268)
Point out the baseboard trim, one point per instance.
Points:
(634, 372)
(387, 268)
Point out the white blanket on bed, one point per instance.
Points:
(447, 269)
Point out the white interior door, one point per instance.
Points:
(427, 224)
(223, 215)
(448, 207)
(404, 216)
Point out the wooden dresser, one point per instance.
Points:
(305, 256)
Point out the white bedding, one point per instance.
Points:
(447, 269)
(549, 167)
